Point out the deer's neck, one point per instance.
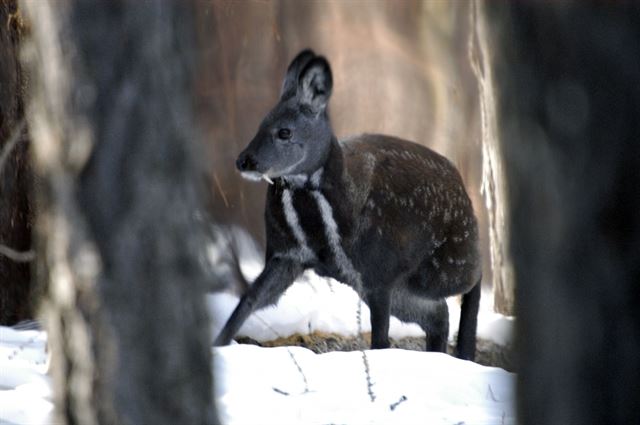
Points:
(326, 176)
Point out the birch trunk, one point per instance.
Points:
(493, 185)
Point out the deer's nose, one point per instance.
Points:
(246, 162)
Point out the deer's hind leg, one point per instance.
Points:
(432, 315)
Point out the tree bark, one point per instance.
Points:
(118, 240)
(494, 184)
(16, 289)
(568, 77)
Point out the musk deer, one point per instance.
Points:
(388, 217)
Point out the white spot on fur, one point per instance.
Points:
(447, 216)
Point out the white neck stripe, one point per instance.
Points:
(299, 180)
(294, 224)
(331, 230)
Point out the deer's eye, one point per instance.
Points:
(284, 134)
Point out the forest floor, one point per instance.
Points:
(488, 353)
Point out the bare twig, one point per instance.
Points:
(279, 391)
(367, 372)
(267, 325)
(219, 186)
(304, 378)
(397, 403)
(17, 256)
(14, 138)
(293, 358)
(491, 395)
(365, 358)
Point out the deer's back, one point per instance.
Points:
(407, 198)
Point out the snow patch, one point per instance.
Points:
(411, 387)
(317, 304)
(25, 390)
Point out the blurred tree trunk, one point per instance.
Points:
(117, 235)
(494, 185)
(16, 292)
(568, 75)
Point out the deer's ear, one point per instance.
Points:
(290, 84)
(315, 84)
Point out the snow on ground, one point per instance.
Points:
(264, 386)
(410, 386)
(258, 385)
(313, 304)
(25, 395)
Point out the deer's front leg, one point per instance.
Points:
(278, 274)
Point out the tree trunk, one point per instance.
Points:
(494, 185)
(569, 79)
(117, 235)
(16, 290)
